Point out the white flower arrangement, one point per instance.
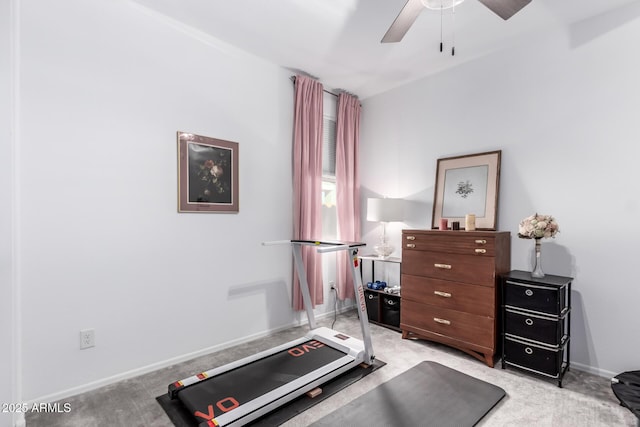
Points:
(538, 227)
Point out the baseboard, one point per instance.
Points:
(592, 370)
(53, 397)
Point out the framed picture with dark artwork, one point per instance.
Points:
(468, 185)
(207, 174)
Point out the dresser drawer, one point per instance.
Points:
(465, 327)
(456, 296)
(537, 298)
(451, 242)
(546, 330)
(542, 359)
(475, 269)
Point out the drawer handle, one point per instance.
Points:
(443, 266)
(370, 296)
(481, 251)
(481, 242)
(443, 321)
(411, 237)
(528, 350)
(442, 294)
(528, 292)
(529, 322)
(411, 245)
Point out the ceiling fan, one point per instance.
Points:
(407, 16)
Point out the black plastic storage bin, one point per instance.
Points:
(538, 298)
(391, 311)
(544, 329)
(542, 359)
(372, 299)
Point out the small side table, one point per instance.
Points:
(383, 308)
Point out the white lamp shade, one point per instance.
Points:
(385, 210)
(440, 4)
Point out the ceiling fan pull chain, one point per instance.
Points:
(441, 13)
(453, 36)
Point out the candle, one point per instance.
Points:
(443, 224)
(469, 222)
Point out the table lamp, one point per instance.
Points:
(384, 211)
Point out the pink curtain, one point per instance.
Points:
(347, 185)
(307, 183)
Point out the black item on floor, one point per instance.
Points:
(626, 387)
(429, 394)
(181, 417)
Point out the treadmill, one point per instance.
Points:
(242, 391)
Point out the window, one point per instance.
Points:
(329, 211)
(329, 147)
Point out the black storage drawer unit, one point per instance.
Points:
(536, 323)
(536, 358)
(544, 329)
(391, 311)
(373, 302)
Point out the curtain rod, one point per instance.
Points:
(293, 79)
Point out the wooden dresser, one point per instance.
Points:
(450, 288)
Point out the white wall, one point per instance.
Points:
(105, 87)
(6, 208)
(564, 110)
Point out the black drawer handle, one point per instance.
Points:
(528, 293)
(529, 322)
(528, 350)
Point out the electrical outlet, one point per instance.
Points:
(87, 338)
(332, 284)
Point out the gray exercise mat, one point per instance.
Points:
(429, 394)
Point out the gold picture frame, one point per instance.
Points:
(207, 174)
(468, 184)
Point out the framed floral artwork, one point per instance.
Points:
(207, 174)
(468, 185)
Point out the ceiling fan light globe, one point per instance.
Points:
(440, 4)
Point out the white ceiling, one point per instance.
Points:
(338, 41)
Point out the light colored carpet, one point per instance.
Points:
(585, 400)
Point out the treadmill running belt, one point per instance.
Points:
(233, 388)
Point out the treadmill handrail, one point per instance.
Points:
(325, 246)
(338, 245)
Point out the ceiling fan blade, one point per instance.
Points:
(505, 9)
(403, 21)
